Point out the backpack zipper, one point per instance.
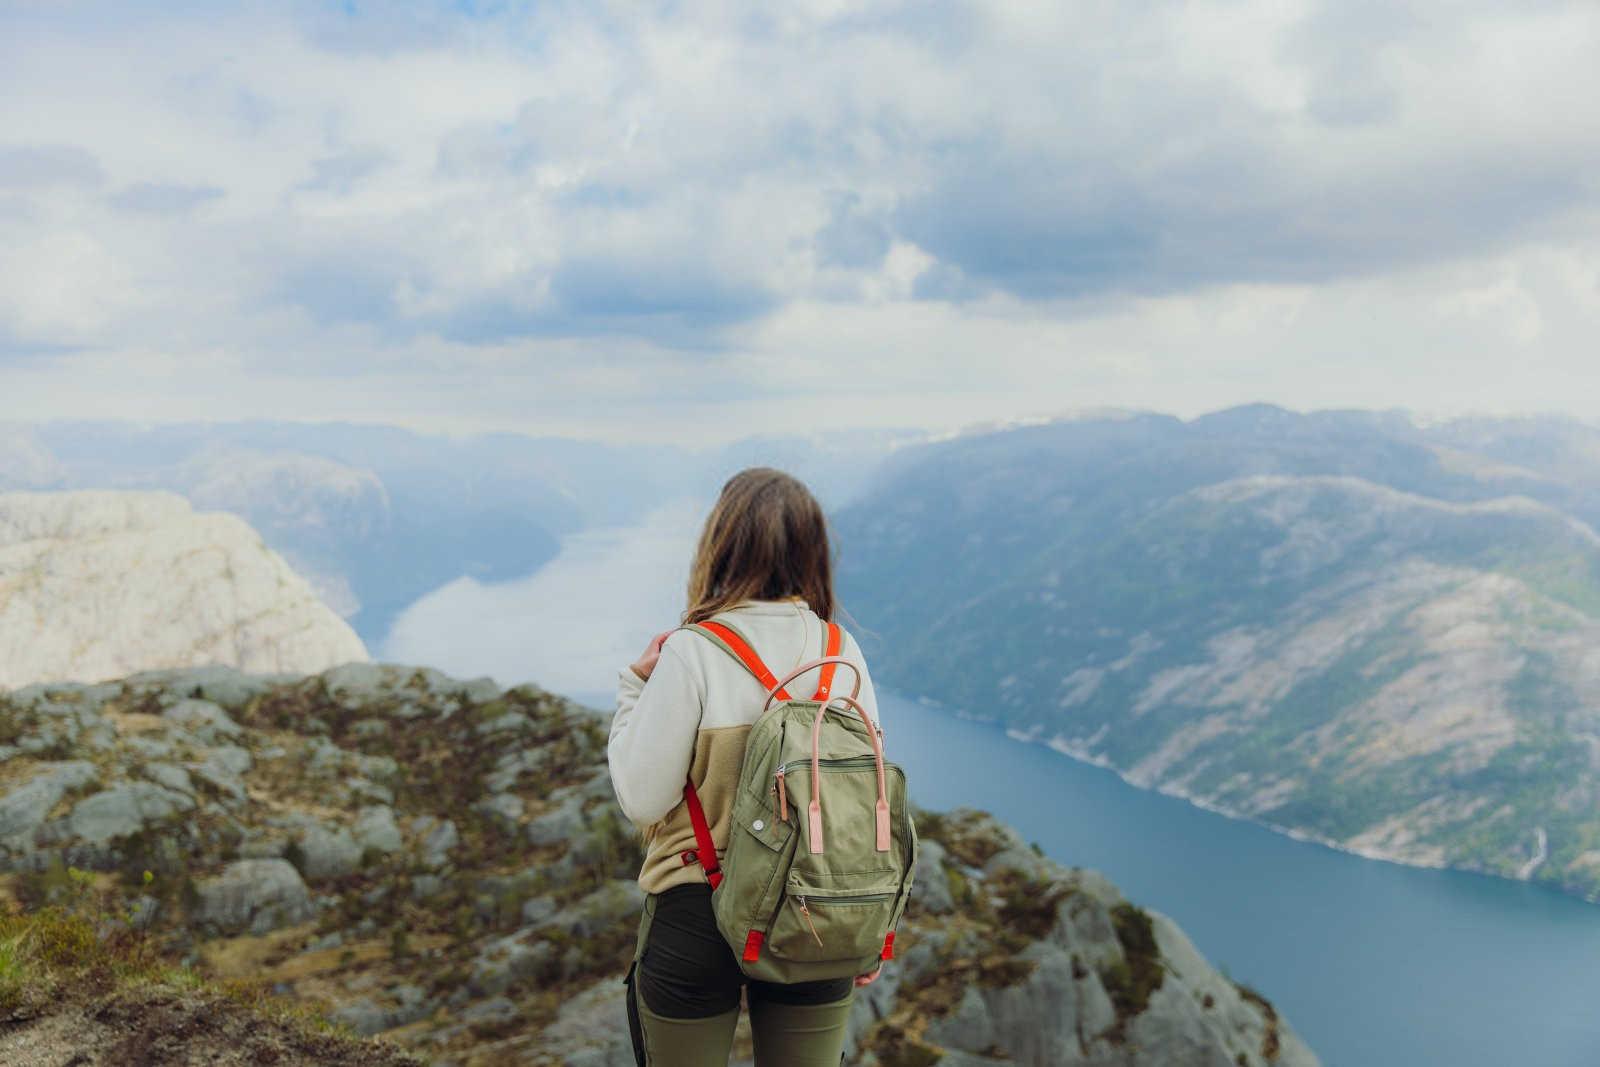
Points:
(843, 763)
(805, 912)
(865, 898)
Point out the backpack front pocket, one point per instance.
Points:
(838, 922)
(759, 847)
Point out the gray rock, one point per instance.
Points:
(151, 748)
(225, 686)
(204, 720)
(363, 1016)
(931, 887)
(537, 910)
(968, 1027)
(123, 810)
(327, 852)
(170, 776)
(585, 1032)
(24, 809)
(366, 1017)
(322, 756)
(438, 838)
(503, 810)
(355, 685)
(222, 769)
(489, 1012)
(509, 961)
(375, 829)
(510, 722)
(254, 895)
(618, 901)
(563, 823)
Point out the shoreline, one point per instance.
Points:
(1079, 754)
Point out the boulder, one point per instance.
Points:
(254, 896)
(123, 810)
(204, 720)
(24, 809)
(376, 830)
(327, 852)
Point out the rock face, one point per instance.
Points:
(443, 862)
(100, 584)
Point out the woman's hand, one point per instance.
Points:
(647, 660)
(868, 979)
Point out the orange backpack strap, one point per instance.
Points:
(830, 648)
(733, 643)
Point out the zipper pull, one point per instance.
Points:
(806, 913)
(783, 797)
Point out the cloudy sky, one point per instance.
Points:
(700, 219)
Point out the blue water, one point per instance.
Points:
(1373, 964)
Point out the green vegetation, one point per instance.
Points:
(1131, 980)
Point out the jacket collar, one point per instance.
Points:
(770, 607)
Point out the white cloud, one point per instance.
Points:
(632, 220)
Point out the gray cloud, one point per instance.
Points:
(157, 198)
(43, 166)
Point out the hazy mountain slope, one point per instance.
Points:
(25, 463)
(97, 584)
(377, 517)
(443, 862)
(1411, 674)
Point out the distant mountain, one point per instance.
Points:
(443, 862)
(376, 517)
(96, 585)
(1344, 625)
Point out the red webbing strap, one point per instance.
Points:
(831, 649)
(744, 653)
(705, 849)
(752, 945)
(888, 946)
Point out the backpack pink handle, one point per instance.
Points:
(814, 811)
(855, 690)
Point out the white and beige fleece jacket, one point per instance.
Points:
(690, 720)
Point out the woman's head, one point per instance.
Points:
(765, 539)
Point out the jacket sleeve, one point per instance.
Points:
(653, 734)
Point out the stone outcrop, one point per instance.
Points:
(100, 585)
(443, 862)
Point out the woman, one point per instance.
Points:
(683, 712)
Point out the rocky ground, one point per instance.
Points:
(441, 862)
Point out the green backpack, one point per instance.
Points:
(821, 846)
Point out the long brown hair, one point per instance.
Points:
(765, 539)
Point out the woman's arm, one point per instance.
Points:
(652, 735)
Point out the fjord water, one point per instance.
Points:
(1374, 964)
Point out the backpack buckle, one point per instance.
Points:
(688, 856)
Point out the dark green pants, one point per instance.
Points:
(684, 989)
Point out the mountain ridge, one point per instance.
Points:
(1396, 665)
